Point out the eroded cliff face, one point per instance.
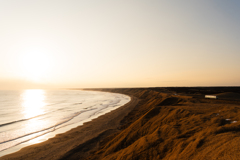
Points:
(168, 126)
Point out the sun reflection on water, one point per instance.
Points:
(33, 102)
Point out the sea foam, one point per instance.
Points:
(32, 116)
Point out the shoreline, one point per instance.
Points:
(55, 147)
(158, 123)
(177, 123)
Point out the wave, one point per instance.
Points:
(58, 122)
(22, 120)
(53, 128)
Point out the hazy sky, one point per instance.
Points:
(125, 43)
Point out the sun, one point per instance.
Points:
(35, 65)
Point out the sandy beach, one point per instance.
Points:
(158, 123)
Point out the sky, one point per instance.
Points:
(136, 43)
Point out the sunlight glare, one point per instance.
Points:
(33, 102)
(35, 65)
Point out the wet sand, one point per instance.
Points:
(159, 123)
(76, 139)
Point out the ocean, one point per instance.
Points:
(31, 116)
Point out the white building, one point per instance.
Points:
(211, 96)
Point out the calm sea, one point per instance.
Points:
(32, 116)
